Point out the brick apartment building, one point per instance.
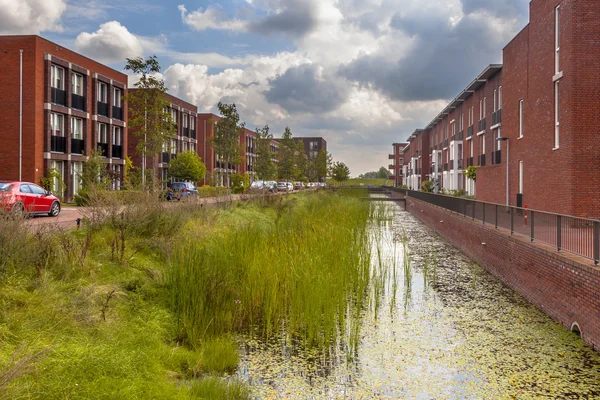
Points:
(397, 163)
(248, 143)
(312, 146)
(544, 102)
(416, 162)
(70, 105)
(185, 116)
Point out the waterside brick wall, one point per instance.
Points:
(565, 287)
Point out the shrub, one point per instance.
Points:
(427, 186)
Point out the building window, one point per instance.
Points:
(556, 114)
(58, 166)
(116, 175)
(57, 77)
(521, 177)
(102, 92)
(185, 120)
(102, 133)
(77, 83)
(521, 114)
(77, 128)
(192, 123)
(76, 170)
(57, 124)
(174, 115)
(173, 146)
(557, 40)
(117, 136)
(499, 98)
(117, 98)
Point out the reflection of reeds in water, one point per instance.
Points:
(430, 269)
(407, 259)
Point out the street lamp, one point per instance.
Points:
(505, 139)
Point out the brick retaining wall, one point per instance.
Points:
(564, 286)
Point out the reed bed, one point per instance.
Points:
(302, 273)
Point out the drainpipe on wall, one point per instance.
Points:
(20, 115)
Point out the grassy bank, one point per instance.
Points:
(146, 300)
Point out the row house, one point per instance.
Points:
(416, 163)
(398, 162)
(57, 107)
(529, 125)
(184, 115)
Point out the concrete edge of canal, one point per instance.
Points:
(564, 286)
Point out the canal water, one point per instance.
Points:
(441, 327)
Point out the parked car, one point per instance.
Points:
(298, 186)
(179, 190)
(311, 185)
(322, 185)
(271, 186)
(282, 187)
(29, 198)
(257, 186)
(290, 187)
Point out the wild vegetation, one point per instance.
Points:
(146, 299)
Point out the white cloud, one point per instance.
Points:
(30, 16)
(113, 42)
(211, 18)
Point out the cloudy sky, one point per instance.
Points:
(360, 73)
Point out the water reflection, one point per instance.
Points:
(440, 327)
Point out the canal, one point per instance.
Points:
(437, 326)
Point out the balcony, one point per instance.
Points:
(103, 109)
(165, 158)
(497, 117)
(58, 144)
(117, 113)
(391, 157)
(461, 135)
(445, 143)
(470, 162)
(481, 125)
(497, 157)
(58, 96)
(78, 102)
(193, 133)
(186, 132)
(103, 148)
(391, 166)
(481, 160)
(117, 151)
(470, 131)
(77, 146)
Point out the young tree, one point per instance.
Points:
(287, 159)
(382, 173)
(149, 118)
(265, 167)
(323, 164)
(226, 141)
(301, 162)
(187, 166)
(340, 172)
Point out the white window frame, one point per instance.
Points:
(174, 115)
(57, 121)
(77, 128)
(55, 81)
(117, 93)
(495, 100)
(556, 115)
(117, 137)
(102, 92)
(185, 120)
(102, 133)
(173, 146)
(557, 40)
(499, 98)
(521, 115)
(520, 177)
(77, 84)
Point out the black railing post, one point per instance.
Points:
(512, 221)
(558, 232)
(532, 226)
(496, 216)
(596, 242)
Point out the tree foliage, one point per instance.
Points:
(340, 172)
(264, 166)
(287, 159)
(226, 141)
(149, 118)
(301, 172)
(187, 166)
(322, 165)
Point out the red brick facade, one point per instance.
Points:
(558, 177)
(561, 285)
(64, 149)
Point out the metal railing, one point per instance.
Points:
(580, 236)
(58, 96)
(470, 131)
(481, 125)
(102, 108)
(117, 113)
(497, 117)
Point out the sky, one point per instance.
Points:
(362, 74)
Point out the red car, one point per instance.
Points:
(28, 197)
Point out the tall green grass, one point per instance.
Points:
(302, 272)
